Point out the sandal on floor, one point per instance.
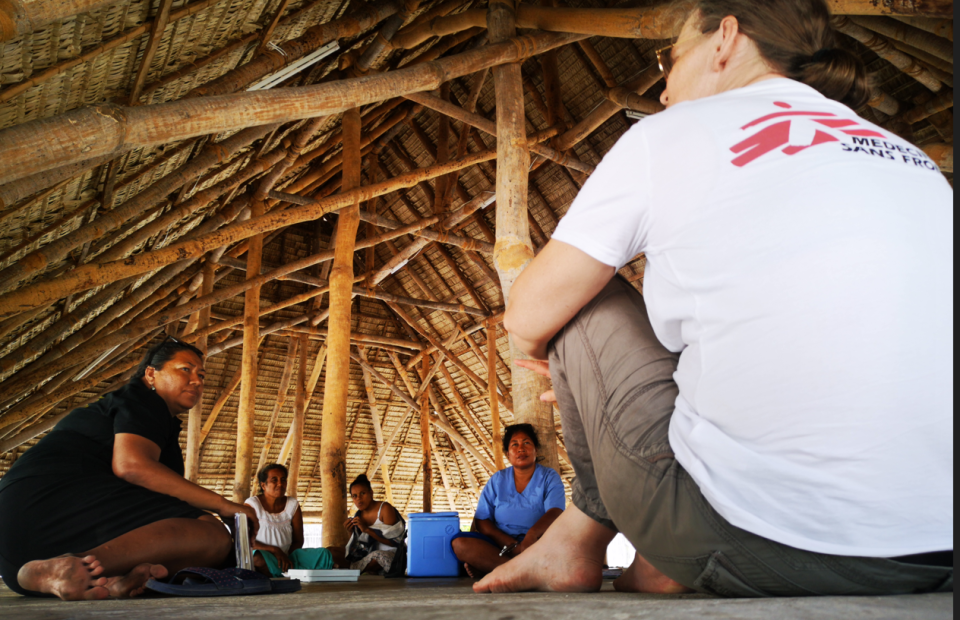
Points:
(199, 581)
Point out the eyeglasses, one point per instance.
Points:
(665, 55)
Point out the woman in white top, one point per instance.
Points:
(376, 531)
(279, 543)
(774, 415)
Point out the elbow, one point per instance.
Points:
(127, 471)
(509, 319)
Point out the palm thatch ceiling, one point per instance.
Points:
(63, 350)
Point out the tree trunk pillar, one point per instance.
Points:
(247, 410)
(513, 249)
(425, 439)
(496, 437)
(333, 445)
(195, 418)
(299, 412)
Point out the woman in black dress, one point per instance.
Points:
(100, 504)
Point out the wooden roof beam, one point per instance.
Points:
(637, 86)
(940, 27)
(885, 50)
(914, 37)
(211, 155)
(106, 129)
(91, 275)
(63, 66)
(157, 29)
(311, 40)
(489, 127)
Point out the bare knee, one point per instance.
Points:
(219, 541)
(459, 546)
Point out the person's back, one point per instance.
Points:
(801, 260)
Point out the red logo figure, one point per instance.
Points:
(777, 135)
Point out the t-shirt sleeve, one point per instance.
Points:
(487, 503)
(554, 495)
(608, 218)
(141, 420)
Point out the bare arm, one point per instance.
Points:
(136, 459)
(551, 290)
(487, 528)
(297, 530)
(539, 528)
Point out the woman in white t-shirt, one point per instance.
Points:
(279, 543)
(774, 416)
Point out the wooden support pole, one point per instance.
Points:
(299, 414)
(377, 429)
(279, 401)
(333, 471)
(453, 358)
(444, 479)
(514, 250)
(225, 396)
(194, 419)
(286, 448)
(425, 444)
(483, 438)
(496, 437)
(247, 408)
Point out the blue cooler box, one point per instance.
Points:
(429, 553)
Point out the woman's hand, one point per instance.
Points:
(356, 522)
(282, 559)
(542, 368)
(229, 509)
(524, 544)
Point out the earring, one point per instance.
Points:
(153, 387)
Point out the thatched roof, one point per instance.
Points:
(75, 60)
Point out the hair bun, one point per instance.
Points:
(837, 74)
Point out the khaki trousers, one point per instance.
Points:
(614, 384)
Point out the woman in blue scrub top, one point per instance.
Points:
(516, 507)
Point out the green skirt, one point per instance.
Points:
(308, 559)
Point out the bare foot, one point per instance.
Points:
(134, 583)
(68, 577)
(641, 576)
(469, 570)
(569, 558)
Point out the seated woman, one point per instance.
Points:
(100, 504)
(516, 507)
(376, 531)
(279, 543)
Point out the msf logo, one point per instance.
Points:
(800, 131)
